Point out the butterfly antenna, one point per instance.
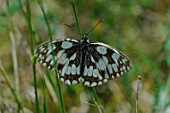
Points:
(73, 29)
(95, 26)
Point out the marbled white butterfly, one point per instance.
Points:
(83, 61)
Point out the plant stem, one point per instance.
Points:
(32, 52)
(96, 100)
(77, 21)
(13, 49)
(62, 107)
(137, 93)
(20, 105)
(44, 96)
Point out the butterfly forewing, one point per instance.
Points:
(103, 63)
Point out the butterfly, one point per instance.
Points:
(83, 61)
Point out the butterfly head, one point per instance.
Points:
(85, 38)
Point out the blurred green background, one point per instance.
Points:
(139, 28)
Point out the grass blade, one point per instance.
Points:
(20, 105)
(29, 22)
(62, 107)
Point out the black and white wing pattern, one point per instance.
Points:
(66, 56)
(89, 63)
(102, 63)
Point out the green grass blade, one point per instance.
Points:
(62, 107)
(44, 96)
(77, 21)
(32, 52)
(20, 105)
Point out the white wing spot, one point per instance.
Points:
(49, 51)
(49, 57)
(115, 67)
(73, 69)
(92, 59)
(102, 64)
(66, 44)
(81, 79)
(50, 46)
(68, 39)
(40, 56)
(90, 71)
(74, 82)
(96, 74)
(85, 71)
(105, 59)
(41, 61)
(68, 82)
(52, 62)
(105, 80)
(42, 49)
(121, 73)
(123, 67)
(100, 83)
(45, 51)
(101, 49)
(128, 68)
(49, 67)
(117, 75)
(124, 61)
(62, 59)
(87, 83)
(69, 70)
(78, 70)
(115, 57)
(60, 53)
(64, 69)
(125, 71)
(106, 75)
(62, 79)
(44, 64)
(109, 68)
(93, 84)
(73, 56)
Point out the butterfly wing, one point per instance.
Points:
(102, 63)
(67, 57)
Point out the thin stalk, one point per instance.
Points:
(78, 25)
(96, 100)
(13, 49)
(21, 7)
(32, 52)
(62, 107)
(50, 78)
(36, 38)
(77, 20)
(44, 95)
(137, 93)
(95, 95)
(20, 105)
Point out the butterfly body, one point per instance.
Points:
(82, 61)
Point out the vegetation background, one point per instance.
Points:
(139, 28)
